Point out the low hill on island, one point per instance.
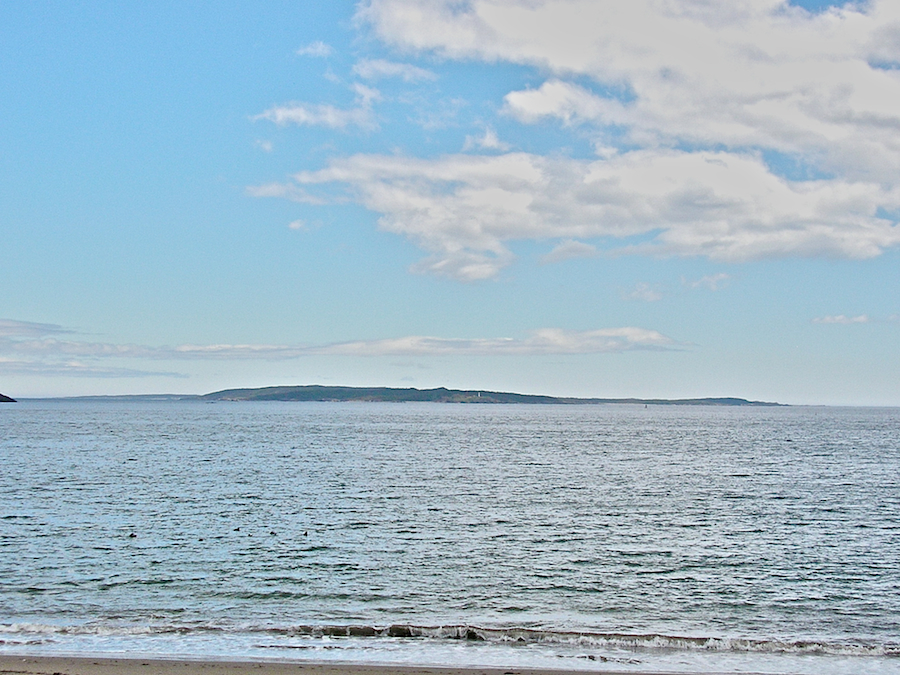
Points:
(442, 395)
(6, 399)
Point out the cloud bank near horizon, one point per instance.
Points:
(35, 349)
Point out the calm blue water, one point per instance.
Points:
(683, 539)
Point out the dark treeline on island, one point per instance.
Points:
(442, 395)
(6, 399)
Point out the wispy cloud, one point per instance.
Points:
(49, 346)
(486, 141)
(28, 349)
(316, 49)
(288, 191)
(643, 292)
(436, 114)
(76, 369)
(376, 69)
(540, 342)
(326, 115)
(12, 328)
(567, 250)
(841, 319)
(712, 282)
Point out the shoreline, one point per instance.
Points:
(30, 664)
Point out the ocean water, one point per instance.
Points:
(604, 538)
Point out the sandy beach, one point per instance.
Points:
(65, 665)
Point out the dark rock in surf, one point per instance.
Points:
(362, 631)
(400, 631)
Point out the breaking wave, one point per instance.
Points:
(31, 632)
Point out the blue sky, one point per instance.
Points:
(576, 198)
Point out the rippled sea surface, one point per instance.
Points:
(667, 538)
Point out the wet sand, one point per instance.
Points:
(64, 665)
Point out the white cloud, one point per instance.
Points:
(540, 342)
(464, 209)
(841, 319)
(323, 114)
(316, 49)
(755, 73)
(643, 292)
(239, 352)
(712, 282)
(568, 102)
(265, 146)
(318, 115)
(729, 84)
(464, 265)
(487, 141)
(286, 191)
(375, 69)
(568, 249)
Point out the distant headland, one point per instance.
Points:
(320, 393)
(6, 399)
(443, 395)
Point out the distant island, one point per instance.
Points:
(443, 395)
(6, 399)
(316, 392)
